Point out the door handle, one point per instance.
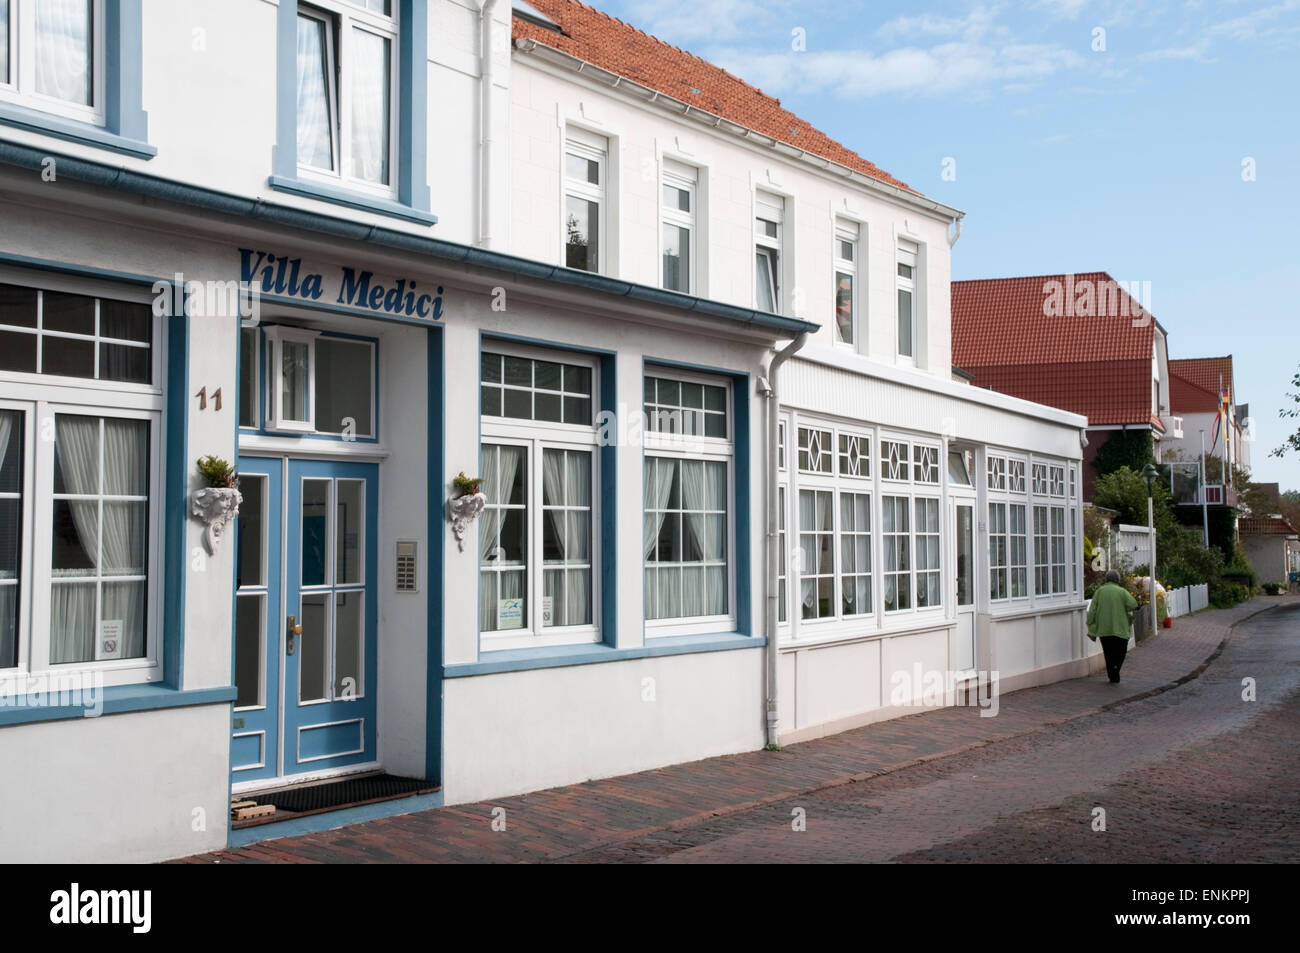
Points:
(292, 629)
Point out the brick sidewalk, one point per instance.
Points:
(551, 824)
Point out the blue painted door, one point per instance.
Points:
(330, 616)
(255, 730)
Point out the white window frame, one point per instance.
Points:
(770, 208)
(538, 436)
(709, 449)
(20, 85)
(846, 232)
(276, 336)
(1006, 485)
(40, 397)
(595, 147)
(907, 254)
(679, 175)
(912, 489)
(341, 17)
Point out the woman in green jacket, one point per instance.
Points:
(1108, 620)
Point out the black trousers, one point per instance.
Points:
(1114, 647)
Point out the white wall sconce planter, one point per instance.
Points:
(215, 507)
(462, 511)
(465, 508)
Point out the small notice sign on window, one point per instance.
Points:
(110, 639)
(510, 613)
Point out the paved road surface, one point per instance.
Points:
(1191, 775)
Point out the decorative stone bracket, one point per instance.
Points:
(215, 507)
(462, 511)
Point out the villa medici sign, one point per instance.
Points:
(284, 277)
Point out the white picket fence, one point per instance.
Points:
(1187, 600)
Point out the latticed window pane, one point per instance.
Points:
(997, 472)
(815, 449)
(926, 464)
(855, 455)
(894, 460)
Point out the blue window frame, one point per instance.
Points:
(92, 95)
(332, 155)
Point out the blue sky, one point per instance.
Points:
(1127, 159)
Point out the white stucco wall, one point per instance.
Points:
(120, 788)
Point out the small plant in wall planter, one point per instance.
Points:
(217, 503)
(465, 506)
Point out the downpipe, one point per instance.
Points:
(773, 561)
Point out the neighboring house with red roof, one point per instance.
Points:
(1080, 342)
(1199, 387)
(1271, 545)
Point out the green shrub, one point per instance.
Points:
(1274, 588)
(217, 472)
(1225, 595)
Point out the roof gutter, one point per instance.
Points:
(153, 187)
(714, 121)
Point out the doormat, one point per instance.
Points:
(345, 793)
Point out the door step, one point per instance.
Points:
(300, 800)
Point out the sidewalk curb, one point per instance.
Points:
(915, 762)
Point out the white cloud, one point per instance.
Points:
(1194, 53)
(684, 21)
(945, 69)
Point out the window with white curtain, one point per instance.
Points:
(835, 522)
(678, 204)
(12, 440)
(80, 417)
(586, 165)
(52, 56)
(347, 92)
(687, 543)
(846, 280)
(539, 530)
(769, 224)
(905, 286)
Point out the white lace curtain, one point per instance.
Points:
(566, 482)
(371, 66)
(689, 590)
(8, 581)
(315, 129)
(63, 50)
(120, 550)
(500, 466)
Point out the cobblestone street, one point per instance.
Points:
(1184, 768)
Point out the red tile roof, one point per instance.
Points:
(613, 45)
(1205, 372)
(1187, 398)
(1010, 335)
(1265, 526)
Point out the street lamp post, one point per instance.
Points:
(1205, 512)
(1150, 474)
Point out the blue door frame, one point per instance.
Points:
(331, 667)
(318, 692)
(255, 729)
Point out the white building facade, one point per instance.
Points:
(424, 252)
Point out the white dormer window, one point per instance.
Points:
(846, 281)
(585, 172)
(768, 221)
(678, 203)
(905, 283)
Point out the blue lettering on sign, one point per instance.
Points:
(279, 275)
